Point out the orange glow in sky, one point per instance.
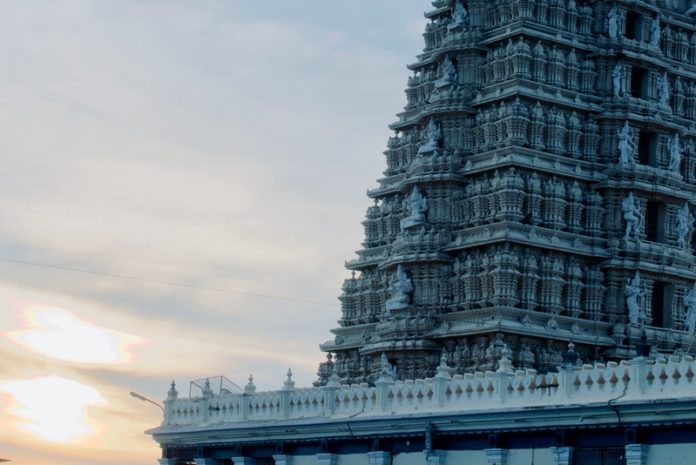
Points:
(52, 408)
(59, 334)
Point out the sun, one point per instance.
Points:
(59, 334)
(53, 408)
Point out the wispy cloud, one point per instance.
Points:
(222, 143)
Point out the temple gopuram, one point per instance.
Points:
(526, 289)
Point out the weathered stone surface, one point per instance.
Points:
(545, 158)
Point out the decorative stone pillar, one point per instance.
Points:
(243, 461)
(435, 457)
(562, 455)
(636, 454)
(379, 458)
(282, 459)
(326, 458)
(496, 456)
(204, 461)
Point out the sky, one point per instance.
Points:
(220, 144)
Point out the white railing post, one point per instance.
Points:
(441, 380)
(169, 402)
(288, 387)
(245, 399)
(637, 372)
(330, 394)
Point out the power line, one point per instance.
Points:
(163, 282)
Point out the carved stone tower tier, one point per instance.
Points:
(539, 191)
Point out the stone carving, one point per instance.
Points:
(675, 154)
(449, 75)
(433, 140)
(685, 222)
(663, 89)
(633, 217)
(618, 79)
(527, 161)
(613, 23)
(634, 299)
(690, 306)
(691, 10)
(400, 289)
(417, 207)
(626, 145)
(655, 32)
(460, 16)
(387, 371)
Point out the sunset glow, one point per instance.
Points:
(59, 334)
(52, 408)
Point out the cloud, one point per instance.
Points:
(59, 334)
(222, 143)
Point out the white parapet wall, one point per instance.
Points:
(638, 380)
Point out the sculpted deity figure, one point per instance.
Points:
(434, 139)
(633, 218)
(663, 89)
(617, 79)
(690, 304)
(655, 32)
(387, 371)
(626, 145)
(400, 289)
(613, 23)
(675, 154)
(685, 222)
(449, 75)
(460, 16)
(634, 299)
(691, 10)
(417, 206)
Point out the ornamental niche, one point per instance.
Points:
(540, 172)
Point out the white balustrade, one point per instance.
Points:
(638, 379)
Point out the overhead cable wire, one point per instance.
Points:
(164, 282)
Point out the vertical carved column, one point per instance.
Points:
(379, 458)
(324, 458)
(530, 282)
(435, 457)
(496, 456)
(282, 459)
(562, 455)
(242, 461)
(636, 454)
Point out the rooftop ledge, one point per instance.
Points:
(640, 380)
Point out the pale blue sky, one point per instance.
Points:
(219, 143)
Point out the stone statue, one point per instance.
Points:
(449, 75)
(387, 371)
(685, 222)
(634, 299)
(655, 32)
(633, 218)
(400, 289)
(626, 145)
(613, 23)
(675, 154)
(417, 206)
(691, 10)
(460, 16)
(617, 79)
(663, 89)
(434, 139)
(690, 304)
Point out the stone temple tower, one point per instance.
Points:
(539, 191)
